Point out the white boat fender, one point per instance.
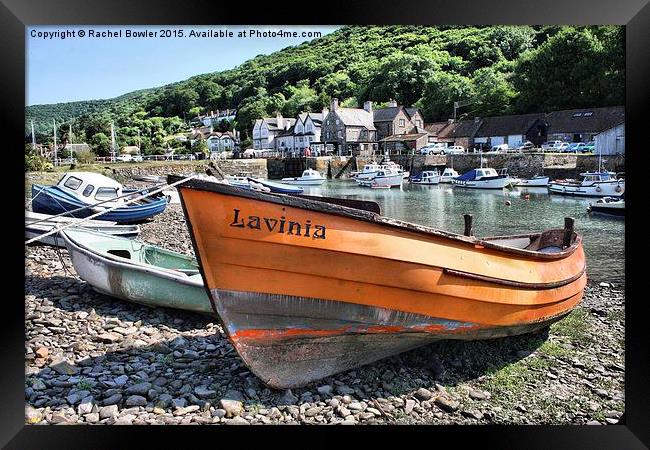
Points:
(618, 188)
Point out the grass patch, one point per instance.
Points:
(574, 326)
(509, 380)
(616, 315)
(84, 385)
(555, 350)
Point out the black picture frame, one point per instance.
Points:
(15, 15)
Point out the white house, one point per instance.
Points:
(214, 118)
(611, 141)
(265, 131)
(307, 130)
(218, 142)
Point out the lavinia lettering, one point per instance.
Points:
(281, 225)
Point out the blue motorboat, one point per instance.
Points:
(94, 192)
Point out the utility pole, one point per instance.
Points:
(112, 143)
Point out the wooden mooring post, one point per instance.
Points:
(468, 224)
(569, 223)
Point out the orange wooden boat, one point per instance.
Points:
(307, 286)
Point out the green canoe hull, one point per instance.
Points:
(137, 272)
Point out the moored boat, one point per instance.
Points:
(94, 193)
(427, 177)
(482, 178)
(382, 178)
(293, 323)
(309, 177)
(448, 175)
(39, 224)
(608, 205)
(134, 271)
(593, 184)
(536, 181)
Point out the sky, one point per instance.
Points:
(62, 66)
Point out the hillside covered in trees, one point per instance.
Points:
(503, 69)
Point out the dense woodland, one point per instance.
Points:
(501, 69)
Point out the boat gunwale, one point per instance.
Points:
(329, 208)
(169, 274)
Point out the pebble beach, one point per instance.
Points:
(94, 359)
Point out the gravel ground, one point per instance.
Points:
(90, 358)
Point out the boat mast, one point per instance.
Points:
(33, 138)
(112, 143)
(54, 133)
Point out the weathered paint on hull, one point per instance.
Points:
(289, 341)
(301, 308)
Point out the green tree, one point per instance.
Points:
(493, 93)
(101, 144)
(300, 97)
(563, 73)
(440, 92)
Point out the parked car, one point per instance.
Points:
(124, 158)
(575, 147)
(455, 150)
(526, 147)
(501, 148)
(561, 148)
(433, 149)
(589, 147)
(550, 145)
(138, 158)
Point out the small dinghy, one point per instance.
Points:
(38, 224)
(85, 190)
(537, 181)
(134, 271)
(609, 206)
(300, 283)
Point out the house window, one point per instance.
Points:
(418, 123)
(402, 123)
(337, 121)
(340, 134)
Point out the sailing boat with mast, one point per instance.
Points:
(594, 184)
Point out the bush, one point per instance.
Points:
(35, 163)
(85, 156)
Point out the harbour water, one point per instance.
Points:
(443, 207)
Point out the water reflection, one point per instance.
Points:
(529, 209)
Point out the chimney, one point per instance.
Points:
(367, 105)
(334, 104)
(392, 103)
(280, 120)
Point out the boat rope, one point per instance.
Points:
(86, 219)
(129, 194)
(32, 199)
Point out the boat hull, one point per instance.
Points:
(596, 189)
(299, 182)
(533, 182)
(381, 181)
(143, 284)
(294, 323)
(52, 200)
(495, 183)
